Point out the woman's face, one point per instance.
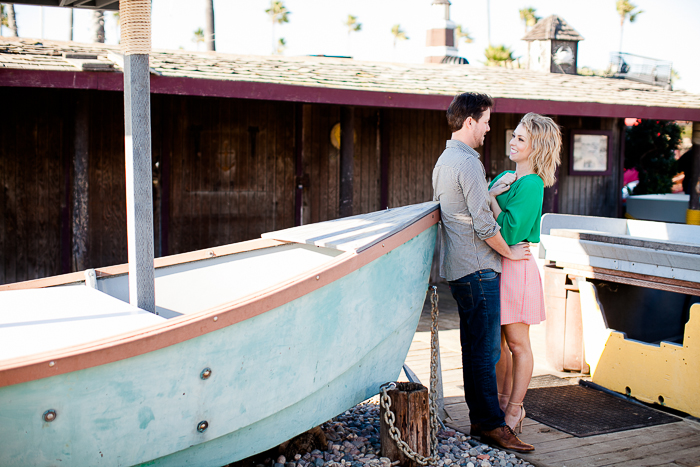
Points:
(520, 147)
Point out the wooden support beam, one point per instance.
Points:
(347, 154)
(80, 186)
(139, 192)
(384, 158)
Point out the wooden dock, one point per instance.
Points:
(675, 444)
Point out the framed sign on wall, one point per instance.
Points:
(591, 152)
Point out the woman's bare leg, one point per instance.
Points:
(504, 373)
(518, 339)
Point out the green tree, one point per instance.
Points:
(198, 37)
(352, 24)
(529, 18)
(281, 45)
(399, 34)
(626, 10)
(499, 55)
(8, 19)
(650, 148)
(3, 18)
(278, 14)
(462, 35)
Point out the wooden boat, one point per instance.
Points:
(254, 343)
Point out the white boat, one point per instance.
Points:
(253, 344)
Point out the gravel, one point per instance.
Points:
(353, 441)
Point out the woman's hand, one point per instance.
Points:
(502, 185)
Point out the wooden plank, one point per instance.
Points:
(627, 240)
(694, 290)
(6, 133)
(307, 160)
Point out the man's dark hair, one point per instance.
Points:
(463, 106)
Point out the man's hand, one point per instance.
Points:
(519, 251)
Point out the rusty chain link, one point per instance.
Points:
(385, 400)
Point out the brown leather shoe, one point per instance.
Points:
(504, 437)
(475, 430)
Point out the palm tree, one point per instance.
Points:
(499, 55)
(198, 37)
(209, 34)
(462, 34)
(278, 14)
(626, 10)
(398, 34)
(98, 26)
(352, 24)
(528, 16)
(3, 18)
(8, 19)
(70, 25)
(281, 45)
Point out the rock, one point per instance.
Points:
(278, 464)
(318, 461)
(281, 460)
(290, 464)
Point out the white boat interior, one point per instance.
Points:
(42, 319)
(644, 247)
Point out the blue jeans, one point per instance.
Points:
(479, 305)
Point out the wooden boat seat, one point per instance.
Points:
(58, 317)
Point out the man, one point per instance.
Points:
(471, 262)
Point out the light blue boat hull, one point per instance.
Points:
(273, 376)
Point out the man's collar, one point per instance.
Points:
(457, 144)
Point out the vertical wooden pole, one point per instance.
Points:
(299, 166)
(79, 217)
(136, 42)
(693, 213)
(384, 158)
(347, 154)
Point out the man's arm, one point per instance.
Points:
(514, 253)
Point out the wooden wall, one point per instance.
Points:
(416, 140)
(225, 170)
(230, 166)
(31, 184)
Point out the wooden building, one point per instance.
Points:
(243, 145)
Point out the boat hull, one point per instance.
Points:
(273, 376)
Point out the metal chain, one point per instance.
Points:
(385, 400)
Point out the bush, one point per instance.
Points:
(649, 147)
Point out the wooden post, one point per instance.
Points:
(384, 158)
(136, 42)
(347, 154)
(79, 212)
(693, 213)
(409, 403)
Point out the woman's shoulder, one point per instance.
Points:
(532, 180)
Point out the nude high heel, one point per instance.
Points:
(518, 428)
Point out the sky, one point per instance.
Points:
(666, 30)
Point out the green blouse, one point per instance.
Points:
(521, 209)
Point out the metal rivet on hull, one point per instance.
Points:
(202, 426)
(206, 373)
(49, 415)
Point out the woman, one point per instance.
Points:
(516, 202)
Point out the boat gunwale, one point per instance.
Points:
(182, 328)
(163, 262)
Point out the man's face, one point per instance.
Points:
(481, 127)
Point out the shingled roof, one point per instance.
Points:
(339, 81)
(552, 28)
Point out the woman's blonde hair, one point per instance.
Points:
(545, 141)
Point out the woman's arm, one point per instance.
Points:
(501, 184)
(522, 211)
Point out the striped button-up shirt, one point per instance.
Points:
(459, 184)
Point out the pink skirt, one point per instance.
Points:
(522, 300)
